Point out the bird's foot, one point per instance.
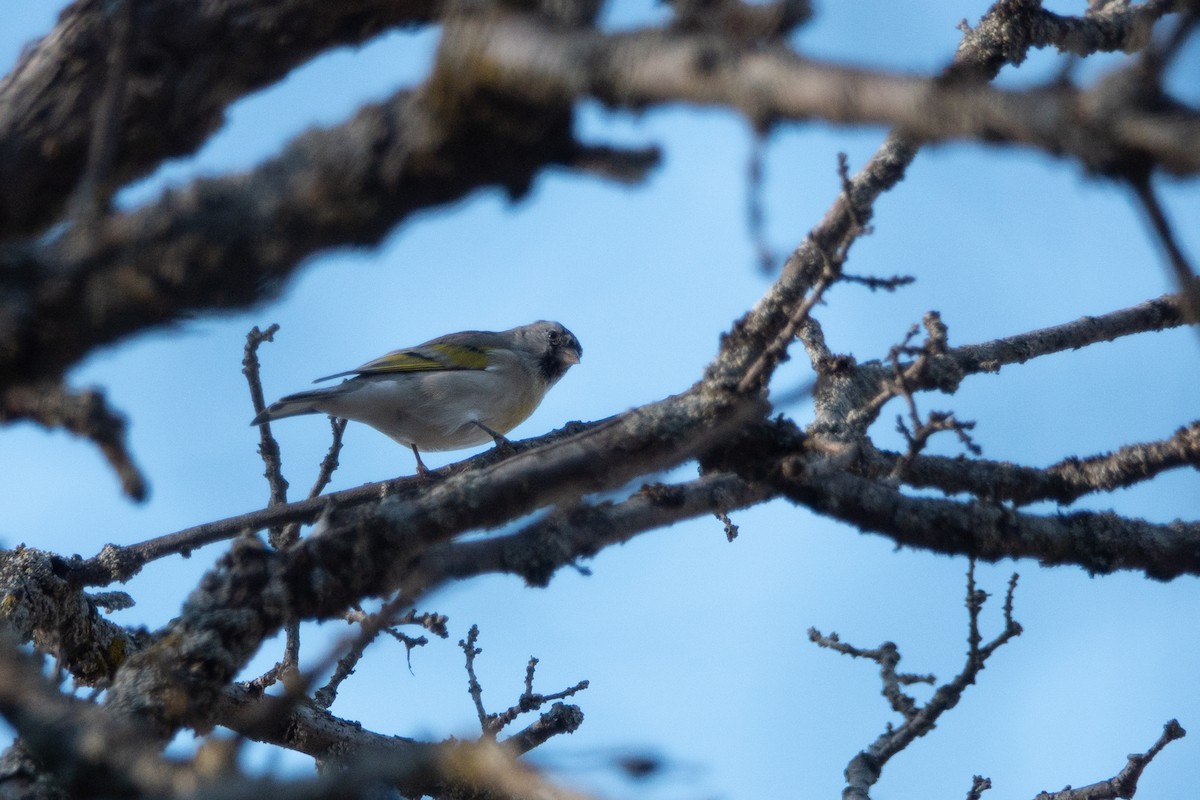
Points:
(423, 471)
(502, 443)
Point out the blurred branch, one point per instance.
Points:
(94, 191)
(532, 61)
(84, 748)
(85, 414)
(1183, 272)
(349, 184)
(353, 755)
(177, 90)
(353, 183)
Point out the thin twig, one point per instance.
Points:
(268, 448)
(866, 767)
(474, 688)
(370, 626)
(329, 464)
(756, 217)
(492, 724)
(1185, 276)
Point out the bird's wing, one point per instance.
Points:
(455, 351)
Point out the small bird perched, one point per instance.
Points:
(451, 392)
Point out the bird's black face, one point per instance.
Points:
(562, 350)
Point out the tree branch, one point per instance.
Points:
(190, 60)
(85, 414)
(1100, 542)
(1124, 783)
(1063, 482)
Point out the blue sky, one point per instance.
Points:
(695, 647)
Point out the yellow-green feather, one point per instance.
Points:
(462, 356)
(452, 356)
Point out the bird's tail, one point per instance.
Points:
(290, 406)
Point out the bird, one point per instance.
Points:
(455, 391)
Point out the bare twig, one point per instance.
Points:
(865, 768)
(756, 216)
(904, 380)
(1124, 783)
(492, 724)
(887, 656)
(268, 448)
(474, 688)
(875, 283)
(731, 530)
(531, 700)
(280, 537)
(1185, 275)
(979, 785)
(329, 464)
(370, 626)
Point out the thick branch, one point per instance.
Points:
(1100, 542)
(538, 550)
(253, 590)
(1105, 128)
(349, 184)
(122, 562)
(43, 607)
(85, 748)
(189, 61)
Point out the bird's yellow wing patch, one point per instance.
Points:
(432, 357)
(463, 356)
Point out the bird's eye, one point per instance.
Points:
(553, 336)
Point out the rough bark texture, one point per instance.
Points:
(118, 87)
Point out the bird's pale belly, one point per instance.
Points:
(442, 418)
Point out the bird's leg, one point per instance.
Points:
(501, 441)
(422, 470)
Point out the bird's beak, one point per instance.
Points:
(571, 355)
